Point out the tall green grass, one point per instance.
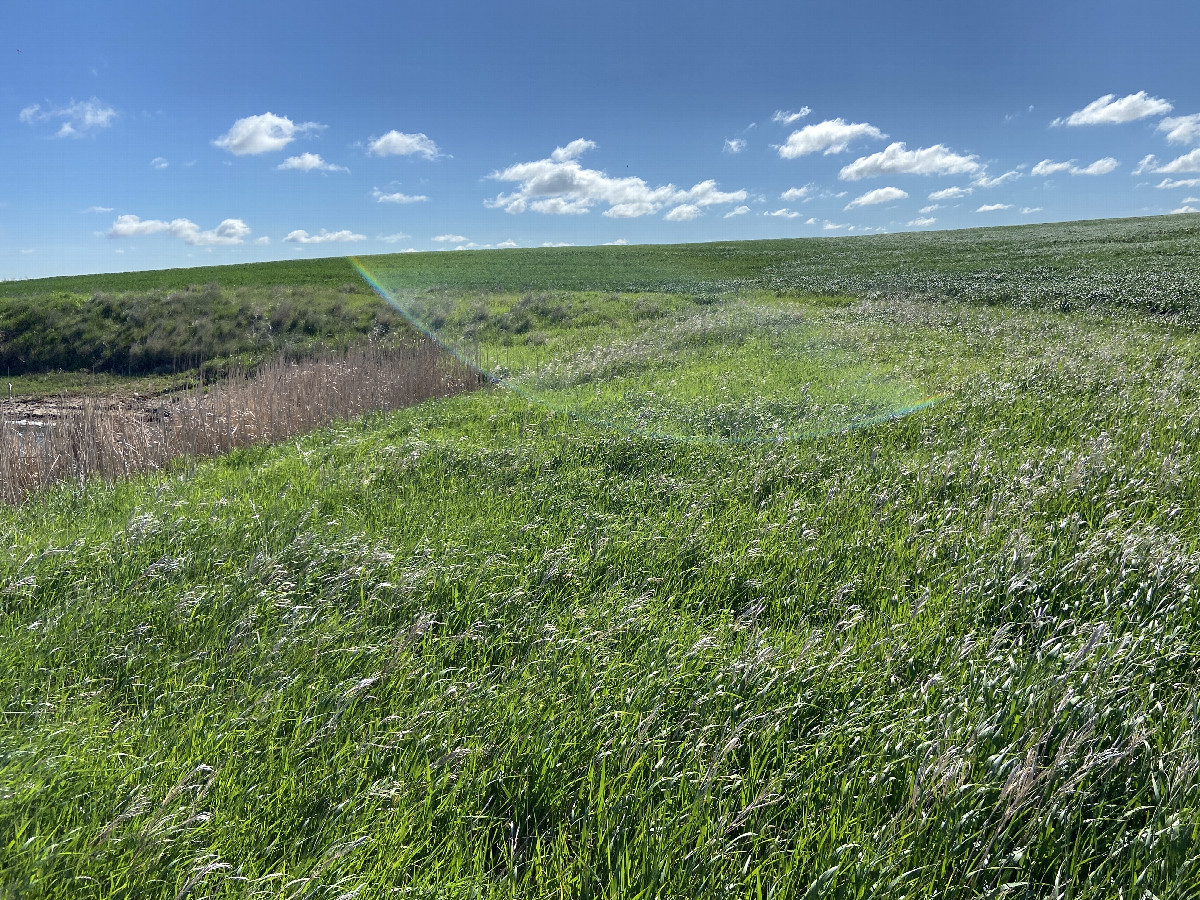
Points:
(491, 648)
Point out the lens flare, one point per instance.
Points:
(738, 370)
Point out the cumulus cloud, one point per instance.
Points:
(300, 236)
(981, 180)
(392, 238)
(1167, 183)
(619, 242)
(1189, 162)
(310, 162)
(397, 143)
(951, 193)
(895, 160)
(264, 240)
(783, 214)
(1027, 210)
(503, 245)
(787, 117)
(77, 118)
(1183, 209)
(159, 163)
(993, 207)
(800, 193)
(879, 195)
(1149, 161)
(831, 136)
(921, 223)
(557, 244)
(397, 197)
(1099, 167)
(924, 210)
(451, 239)
(230, 231)
(1108, 110)
(560, 185)
(734, 145)
(1049, 167)
(685, 212)
(98, 209)
(262, 134)
(739, 211)
(1182, 129)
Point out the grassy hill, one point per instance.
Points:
(850, 583)
(147, 322)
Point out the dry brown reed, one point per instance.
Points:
(93, 437)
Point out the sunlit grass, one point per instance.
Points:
(488, 648)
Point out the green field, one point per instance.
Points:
(862, 567)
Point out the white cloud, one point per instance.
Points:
(619, 242)
(1167, 183)
(1189, 162)
(1028, 210)
(1191, 199)
(397, 143)
(951, 193)
(831, 136)
(734, 145)
(981, 180)
(230, 231)
(1048, 167)
(560, 185)
(79, 117)
(895, 160)
(1182, 129)
(573, 150)
(503, 245)
(98, 209)
(159, 163)
(561, 206)
(1108, 110)
(557, 244)
(1099, 167)
(262, 134)
(833, 226)
(786, 117)
(800, 193)
(300, 236)
(685, 212)
(397, 197)
(1183, 209)
(922, 223)
(993, 207)
(308, 162)
(262, 240)
(451, 239)
(930, 208)
(1149, 161)
(392, 238)
(739, 211)
(879, 195)
(783, 214)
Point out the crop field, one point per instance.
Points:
(862, 567)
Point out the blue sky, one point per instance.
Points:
(137, 135)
